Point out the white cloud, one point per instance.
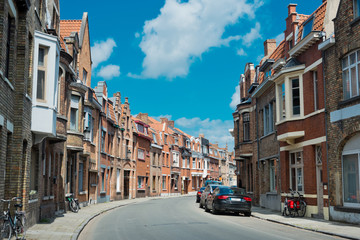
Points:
(183, 31)
(101, 51)
(137, 35)
(109, 71)
(253, 35)
(235, 99)
(241, 52)
(217, 131)
(279, 38)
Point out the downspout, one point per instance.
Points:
(98, 164)
(326, 132)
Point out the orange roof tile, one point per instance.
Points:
(318, 22)
(69, 26)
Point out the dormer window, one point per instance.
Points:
(140, 128)
(308, 25)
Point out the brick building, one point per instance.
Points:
(341, 73)
(16, 48)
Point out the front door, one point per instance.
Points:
(126, 184)
(319, 181)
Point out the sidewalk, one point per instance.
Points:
(318, 225)
(70, 224)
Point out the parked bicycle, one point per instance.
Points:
(13, 226)
(294, 205)
(73, 202)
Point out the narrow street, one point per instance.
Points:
(181, 218)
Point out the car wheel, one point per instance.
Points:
(214, 211)
(206, 208)
(247, 214)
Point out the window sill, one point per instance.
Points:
(349, 101)
(83, 193)
(103, 192)
(347, 209)
(355, 21)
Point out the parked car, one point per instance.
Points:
(207, 191)
(213, 182)
(198, 194)
(228, 199)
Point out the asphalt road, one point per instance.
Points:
(181, 218)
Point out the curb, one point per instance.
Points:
(312, 230)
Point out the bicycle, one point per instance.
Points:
(73, 202)
(294, 205)
(13, 226)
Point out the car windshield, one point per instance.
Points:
(232, 191)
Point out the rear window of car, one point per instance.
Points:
(232, 191)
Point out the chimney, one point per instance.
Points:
(126, 100)
(143, 117)
(269, 47)
(171, 123)
(291, 8)
(163, 120)
(201, 135)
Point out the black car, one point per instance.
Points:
(207, 191)
(229, 199)
(198, 194)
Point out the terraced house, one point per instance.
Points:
(288, 97)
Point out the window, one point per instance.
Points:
(103, 134)
(199, 163)
(141, 183)
(103, 179)
(268, 119)
(153, 183)
(246, 125)
(74, 62)
(316, 93)
(282, 101)
(176, 179)
(175, 159)
(74, 115)
(154, 138)
(194, 163)
(356, 8)
(84, 76)
(290, 44)
(272, 176)
(211, 151)
(351, 172)
(41, 74)
(164, 182)
(184, 163)
(193, 182)
(188, 163)
(141, 154)
(176, 141)
(8, 45)
(161, 137)
(140, 128)
(118, 189)
(308, 26)
(81, 176)
(187, 144)
(350, 74)
(295, 96)
(296, 171)
(165, 141)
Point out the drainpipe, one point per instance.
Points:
(326, 134)
(99, 148)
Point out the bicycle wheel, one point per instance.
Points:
(302, 209)
(6, 231)
(20, 230)
(73, 206)
(286, 211)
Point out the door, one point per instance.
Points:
(319, 181)
(126, 184)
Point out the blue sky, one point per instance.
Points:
(181, 58)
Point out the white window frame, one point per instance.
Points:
(296, 167)
(118, 175)
(349, 81)
(141, 154)
(42, 68)
(268, 119)
(163, 182)
(74, 106)
(345, 153)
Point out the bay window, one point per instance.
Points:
(295, 90)
(41, 74)
(356, 8)
(350, 74)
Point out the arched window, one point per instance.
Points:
(351, 180)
